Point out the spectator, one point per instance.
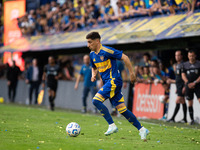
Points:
(33, 77)
(13, 74)
(68, 70)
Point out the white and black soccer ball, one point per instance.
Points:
(73, 129)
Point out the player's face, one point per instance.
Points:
(178, 56)
(191, 57)
(92, 44)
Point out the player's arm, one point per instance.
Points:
(183, 75)
(125, 78)
(129, 66)
(77, 82)
(94, 74)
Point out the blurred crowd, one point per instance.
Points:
(54, 17)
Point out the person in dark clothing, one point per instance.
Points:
(179, 88)
(191, 78)
(12, 76)
(52, 73)
(33, 77)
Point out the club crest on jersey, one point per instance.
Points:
(102, 58)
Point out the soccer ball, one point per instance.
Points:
(73, 129)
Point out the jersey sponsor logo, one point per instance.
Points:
(103, 66)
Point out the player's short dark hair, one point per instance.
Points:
(93, 35)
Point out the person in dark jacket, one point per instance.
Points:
(33, 77)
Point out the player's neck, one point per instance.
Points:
(98, 48)
(192, 62)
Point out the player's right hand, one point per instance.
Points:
(93, 78)
(132, 78)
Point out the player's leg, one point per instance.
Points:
(177, 107)
(36, 91)
(98, 100)
(9, 92)
(84, 98)
(182, 101)
(30, 93)
(143, 132)
(14, 91)
(189, 93)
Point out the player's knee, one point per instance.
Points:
(95, 102)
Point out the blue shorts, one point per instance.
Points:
(112, 90)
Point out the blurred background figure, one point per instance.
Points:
(51, 73)
(179, 88)
(13, 74)
(33, 77)
(89, 86)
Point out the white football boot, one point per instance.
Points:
(143, 133)
(111, 129)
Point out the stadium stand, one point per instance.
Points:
(53, 18)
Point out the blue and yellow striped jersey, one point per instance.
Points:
(105, 62)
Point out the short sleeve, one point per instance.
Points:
(183, 70)
(112, 53)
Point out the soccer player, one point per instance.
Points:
(103, 60)
(52, 73)
(179, 88)
(89, 86)
(191, 77)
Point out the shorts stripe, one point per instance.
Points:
(121, 100)
(113, 87)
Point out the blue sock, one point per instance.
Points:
(130, 117)
(104, 111)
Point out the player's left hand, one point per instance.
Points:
(191, 85)
(93, 78)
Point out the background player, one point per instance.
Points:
(191, 77)
(89, 86)
(179, 88)
(52, 73)
(103, 59)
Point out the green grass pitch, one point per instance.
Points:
(36, 128)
